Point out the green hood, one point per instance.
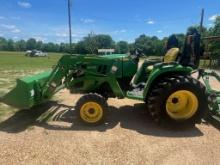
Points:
(114, 56)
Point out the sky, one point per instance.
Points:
(47, 20)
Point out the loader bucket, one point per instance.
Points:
(28, 92)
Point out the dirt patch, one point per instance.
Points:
(214, 83)
(129, 136)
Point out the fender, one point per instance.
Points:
(161, 70)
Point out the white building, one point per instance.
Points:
(106, 51)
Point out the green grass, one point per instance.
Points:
(15, 65)
(18, 60)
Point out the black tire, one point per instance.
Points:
(165, 87)
(99, 106)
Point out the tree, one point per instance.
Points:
(65, 48)
(50, 47)
(122, 47)
(131, 48)
(39, 45)
(10, 45)
(91, 43)
(158, 46)
(204, 32)
(20, 45)
(215, 31)
(181, 39)
(143, 43)
(31, 44)
(149, 45)
(80, 48)
(104, 41)
(3, 43)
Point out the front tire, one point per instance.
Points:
(178, 99)
(91, 109)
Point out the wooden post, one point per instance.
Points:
(70, 26)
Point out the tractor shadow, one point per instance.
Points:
(23, 119)
(133, 118)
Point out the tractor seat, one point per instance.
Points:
(171, 56)
(138, 82)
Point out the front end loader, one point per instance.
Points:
(79, 74)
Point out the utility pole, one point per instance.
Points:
(202, 19)
(70, 25)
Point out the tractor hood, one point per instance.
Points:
(114, 56)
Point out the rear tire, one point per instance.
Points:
(178, 99)
(91, 109)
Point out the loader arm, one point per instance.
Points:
(68, 71)
(58, 78)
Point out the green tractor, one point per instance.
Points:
(168, 89)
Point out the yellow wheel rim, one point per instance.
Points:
(91, 112)
(182, 105)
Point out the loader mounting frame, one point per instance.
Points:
(214, 95)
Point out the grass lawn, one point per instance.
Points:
(18, 61)
(15, 65)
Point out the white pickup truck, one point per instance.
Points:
(35, 53)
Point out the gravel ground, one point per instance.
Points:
(129, 136)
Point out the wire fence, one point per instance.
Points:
(211, 63)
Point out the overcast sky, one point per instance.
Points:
(46, 20)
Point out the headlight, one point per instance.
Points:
(114, 69)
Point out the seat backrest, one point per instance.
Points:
(171, 55)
